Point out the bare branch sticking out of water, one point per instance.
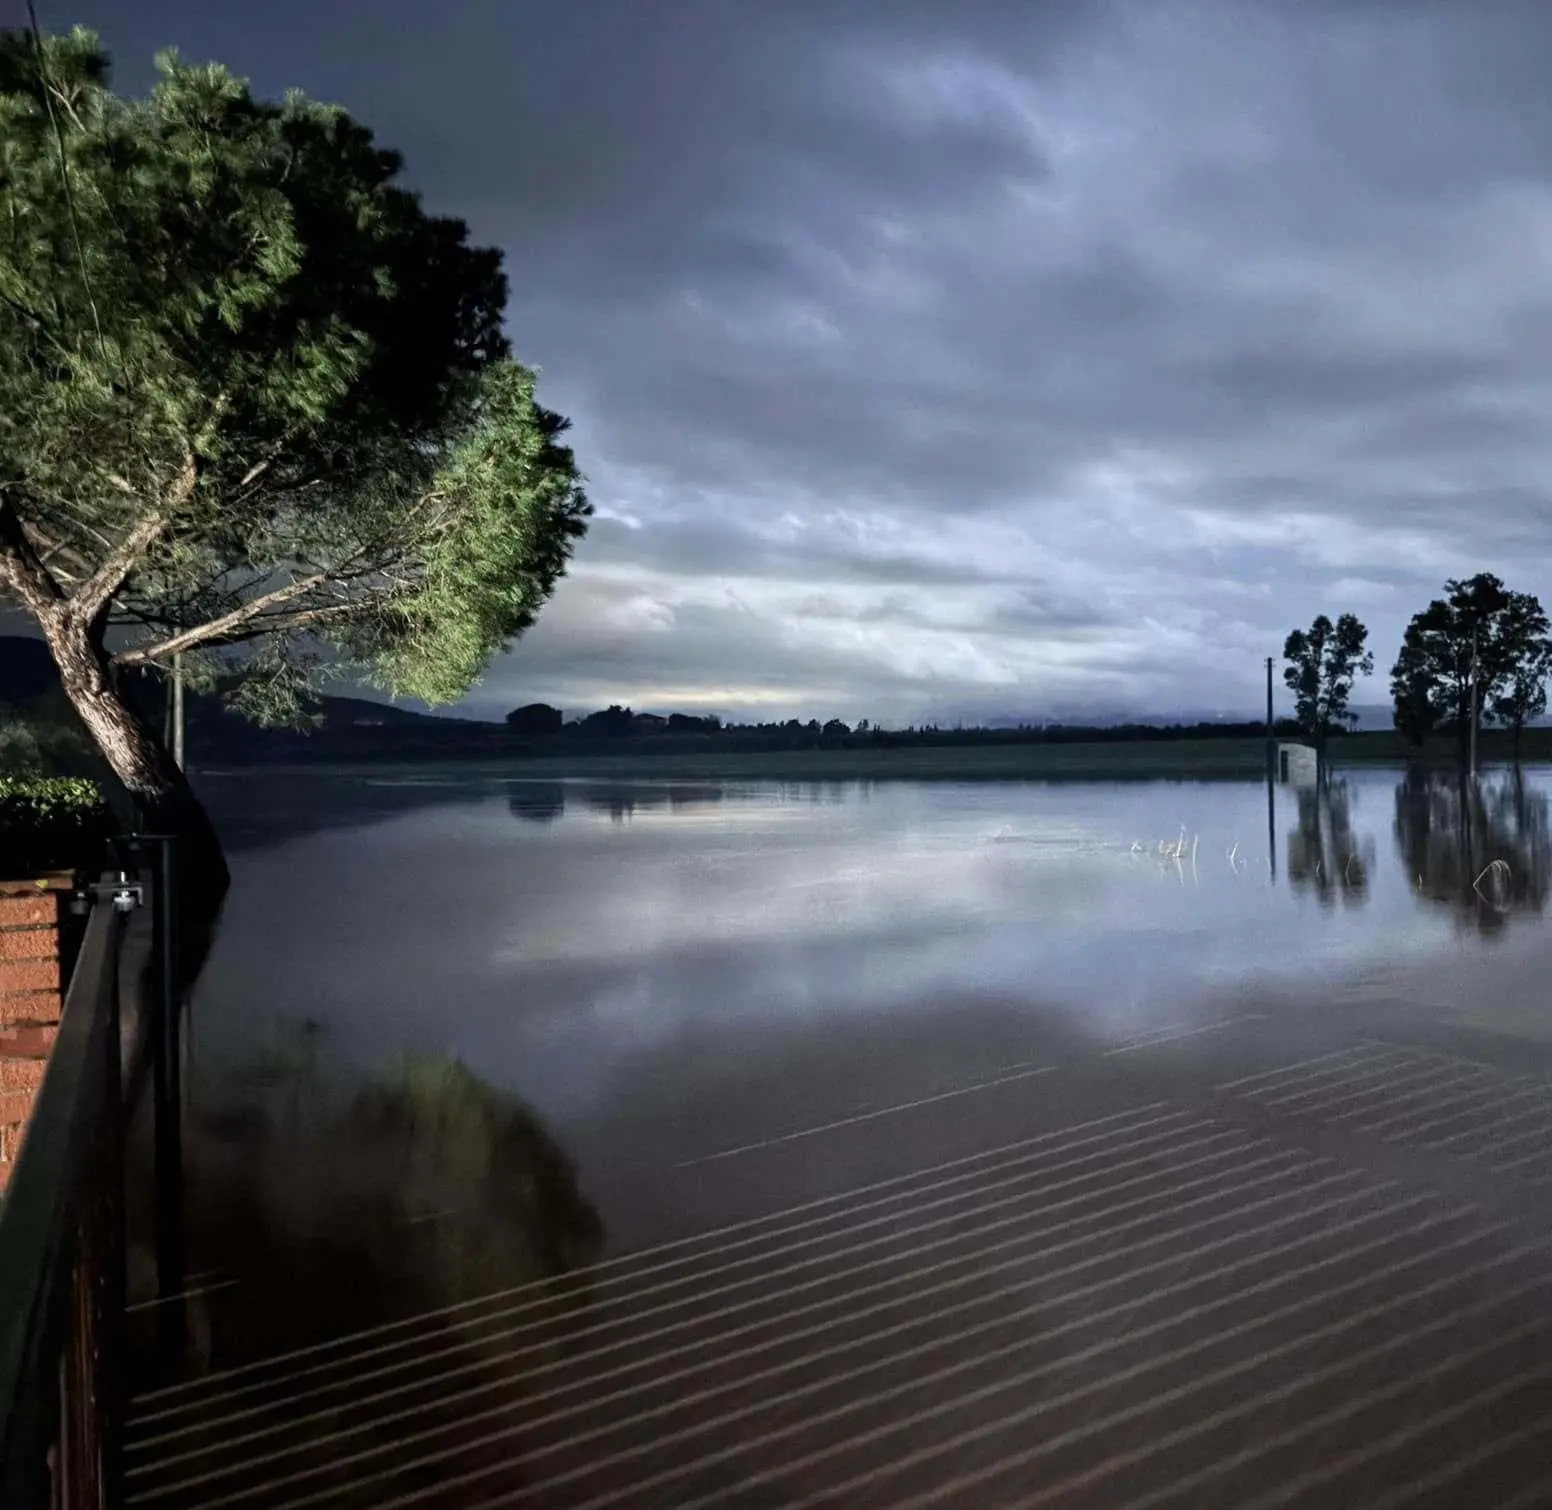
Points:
(1496, 869)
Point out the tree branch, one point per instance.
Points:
(252, 619)
(100, 587)
(303, 618)
(49, 548)
(20, 569)
(98, 590)
(253, 629)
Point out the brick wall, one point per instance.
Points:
(31, 983)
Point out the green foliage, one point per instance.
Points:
(491, 565)
(1411, 687)
(1482, 631)
(254, 381)
(1326, 660)
(1525, 646)
(51, 823)
(35, 744)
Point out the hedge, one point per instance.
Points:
(52, 823)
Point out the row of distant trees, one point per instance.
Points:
(1481, 654)
(541, 721)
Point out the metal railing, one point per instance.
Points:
(63, 1231)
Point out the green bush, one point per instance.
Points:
(38, 740)
(51, 823)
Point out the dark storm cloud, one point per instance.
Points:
(986, 355)
(699, 547)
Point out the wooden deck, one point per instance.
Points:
(1326, 1282)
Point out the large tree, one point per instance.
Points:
(1326, 659)
(1526, 649)
(1482, 633)
(256, 407)
(535, 721)
(1411, 684)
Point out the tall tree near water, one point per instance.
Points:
(256, 408)
(1526, 644)
(1326, 660)
(1481, 632)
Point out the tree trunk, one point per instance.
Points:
(165, 802)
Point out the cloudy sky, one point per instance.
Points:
(937, 358)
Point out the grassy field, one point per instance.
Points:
(1141, 760)
(1164, 760)
(1188, 760)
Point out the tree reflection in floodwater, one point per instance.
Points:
(537, 801)
(1325, 857)
(325, 1209)
(620, 800)
(1481, 849)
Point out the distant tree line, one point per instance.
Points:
(1481, 654)
(1481, 635)
(540, 724)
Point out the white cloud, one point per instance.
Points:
(995, 353)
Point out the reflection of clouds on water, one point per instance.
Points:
(560, 954)
(811, 891)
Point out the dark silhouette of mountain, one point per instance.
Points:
(349, 725)
(26, 671)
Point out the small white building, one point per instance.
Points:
(1297, 763)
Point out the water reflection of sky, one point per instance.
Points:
(553, 932)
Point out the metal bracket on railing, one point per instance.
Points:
(126, 895)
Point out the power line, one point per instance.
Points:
(64, 176)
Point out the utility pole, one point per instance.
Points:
(177, 708)
(1271, 751)
(1473, 705)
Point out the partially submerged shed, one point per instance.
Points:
(1297, 762)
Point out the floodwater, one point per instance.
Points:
(661, 971)
(887, 1144)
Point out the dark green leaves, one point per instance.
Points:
(1482, 631)
(51, 823)
(301, 384)
(1326, 658)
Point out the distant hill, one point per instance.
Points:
(1374, 716)
(351, 727)
(26, 670)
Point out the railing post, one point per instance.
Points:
(62, 1247)
(168, 1095)
(102, 1276)
(154, 857)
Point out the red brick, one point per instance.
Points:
(15, 1107)
(29, 943)
(11, 1142)
(29, 975)
(23, 1008)
(21, 1074)
(29, 1040)
(28, 908)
